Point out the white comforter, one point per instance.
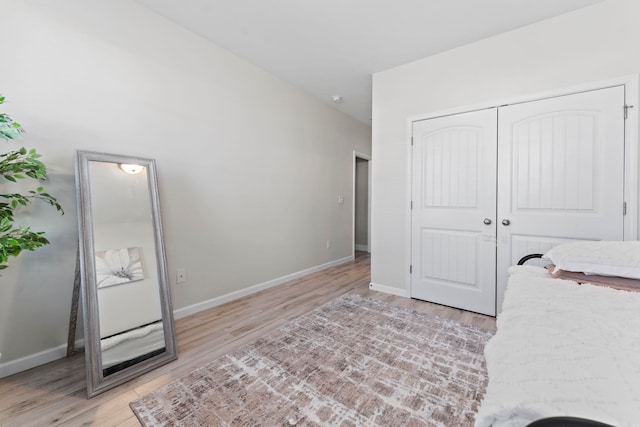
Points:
(563, 349)
(131, 344)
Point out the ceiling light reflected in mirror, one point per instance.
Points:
(130, 168)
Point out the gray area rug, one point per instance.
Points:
(354, 361)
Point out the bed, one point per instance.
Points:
(565, 349)
(127, 348)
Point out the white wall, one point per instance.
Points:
(249, 167)
(595, 43)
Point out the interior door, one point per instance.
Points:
(454, 208)
(560, 174)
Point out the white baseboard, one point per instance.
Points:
(214, 302)
(389, 290)
(28, 362)
(360, 247)
(37, 359)
(46, 356)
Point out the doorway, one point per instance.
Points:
(361, 230)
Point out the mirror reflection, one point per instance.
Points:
(128, 317)
(123, 237)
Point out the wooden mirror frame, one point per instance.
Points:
(97, 382)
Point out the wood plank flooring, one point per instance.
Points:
(54, 394)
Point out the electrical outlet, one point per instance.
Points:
(181, 275)
(328, 244)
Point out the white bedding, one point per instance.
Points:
(563, 349)
(131, 344)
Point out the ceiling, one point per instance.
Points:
(332, 47)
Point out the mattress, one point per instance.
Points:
(563, 349)
(132, 344)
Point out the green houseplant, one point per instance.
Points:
(18, 165)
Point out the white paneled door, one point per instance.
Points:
(533, 174)
(454, 208)
(560, 174)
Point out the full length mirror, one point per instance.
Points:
(128, 323)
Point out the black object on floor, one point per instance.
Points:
(567, 422)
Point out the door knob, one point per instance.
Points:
(487, 221)
(506, 222)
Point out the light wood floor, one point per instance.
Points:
(54, 394)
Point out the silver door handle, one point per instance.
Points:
(487, 221)
(506, 222)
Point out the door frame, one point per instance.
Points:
(359, 155)
(631, 84)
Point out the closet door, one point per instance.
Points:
(454, 207)
(560, 174)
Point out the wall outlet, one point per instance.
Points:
(328, 244)
(181, 275)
